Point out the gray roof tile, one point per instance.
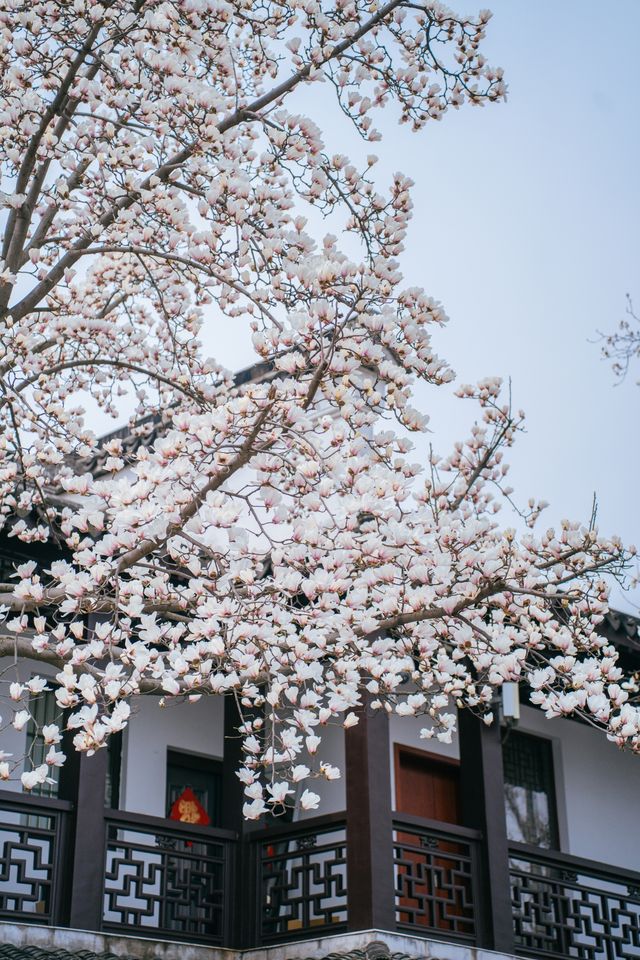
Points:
(10, 952)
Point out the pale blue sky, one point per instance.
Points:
(527, 220)
(526, 228)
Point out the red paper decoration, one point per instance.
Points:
(188, 809)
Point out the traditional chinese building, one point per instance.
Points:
(519, 838)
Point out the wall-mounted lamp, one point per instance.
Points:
(510, 703)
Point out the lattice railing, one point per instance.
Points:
(302, 878)
(33, 851)
(436, 869)
(565, 907)
(176, 881)
(172, 878)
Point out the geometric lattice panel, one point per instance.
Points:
(573, 911)
(530, 797)
(434, 877)
(172, 882)
(28, 855)
(302, 883)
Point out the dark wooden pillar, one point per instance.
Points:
(240, 919)
(232, 789)
(370, 877)
(483, 808)
(82, 781)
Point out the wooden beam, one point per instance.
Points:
(240, 922)
(83, 782)
(370, 875)
(232, 789)
(483, 808)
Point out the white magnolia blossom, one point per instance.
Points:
(309, 800)
(36, 777)
(270, 539)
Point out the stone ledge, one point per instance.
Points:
(350, 946)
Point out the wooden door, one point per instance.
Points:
(434, 891)
(427, 786)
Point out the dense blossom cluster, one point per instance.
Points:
(274, 541)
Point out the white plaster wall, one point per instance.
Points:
(406, 731)
(599, 787)
(332, 793)
(15, 741)
(194, 728)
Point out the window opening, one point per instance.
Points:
(530, 796)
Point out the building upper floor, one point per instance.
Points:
(518, 837)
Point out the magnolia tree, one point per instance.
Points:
(623, 346)
(275, 542)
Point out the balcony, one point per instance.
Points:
(569, 907)
(290, 882)
(169, 877)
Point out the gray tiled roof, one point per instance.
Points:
(10, 952)
(622, 629)
(377, 950)
(147, 429)
(373, 951)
